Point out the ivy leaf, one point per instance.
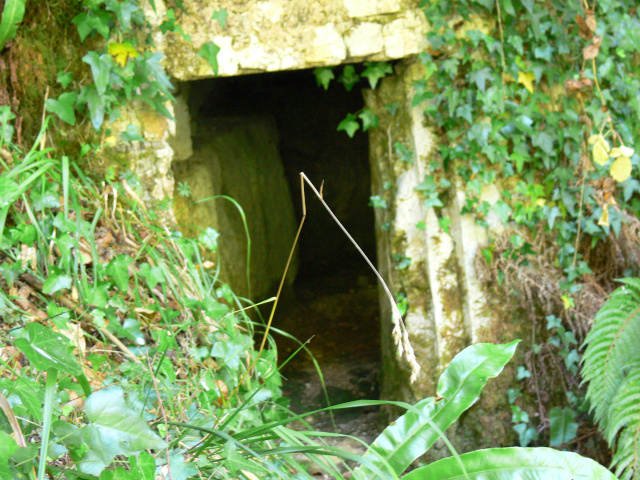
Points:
(46, 349)
(545, 141)
(115, 429)
(444, 223)
(526, 79)
(220, 16)
(349, 77)
(209, 238)
(369, 119)
(64, 79)
(375, 71)
(562, 425)
(503, 210)
(376, 201)
(132, 134)
(56, 282)
(63, 107)
(121, 52)
(97, 106)
(118, 270)
(480, 78)
(349, 125)
(123, 11)
(209, 52)
(324, 75)
(87, 23)
(100, 69)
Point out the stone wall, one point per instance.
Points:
(447, 309)
(275, 35)
(238, 158)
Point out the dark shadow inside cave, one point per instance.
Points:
(334, 299)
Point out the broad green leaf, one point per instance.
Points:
(87, 23)
(209, 52)
(209, 238)
(369, 119)
(514, 463)
(459, 387)
(349, 125)
(220, 16)
(63, 107)
(563, 426)
(375, 71)
(118, 270)
(181, 469)
(324, 75)
(115, 429)
(30, 394)
(349, 77)
(123, 11)
(144, 466)
(100, 69)
(47, 349)
(12, 15)
(57, 281)
(7, 447)
(97, 104)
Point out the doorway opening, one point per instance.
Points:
(333, 301)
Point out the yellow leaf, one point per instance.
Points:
(526, 79)
(621, 152)
(122, 51)
(507, 77)
(567, 301)
(600, 149)
(604, 218)
(541, 202)
(621, 169)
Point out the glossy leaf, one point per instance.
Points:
(460, 385)
(209, 52)
(115, 429)
(563, 426)
(63, 106)
(12, 15)
(47, 349)
(514, 463)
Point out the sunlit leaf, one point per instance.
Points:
(47, 349)
(621, 169)
(526, 79)
(63, 107)
(521, 463)
(122, 51)
(115, 429)
(220, 16)
(349, 125)
(324, 75)
(209, 52)
(12, 15)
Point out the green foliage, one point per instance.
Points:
(124, 67)
(11, 17)
(611, 365)
(521, 463)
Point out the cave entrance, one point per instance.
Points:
(333, 298)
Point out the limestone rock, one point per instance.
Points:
(365, 39)
(238, 157)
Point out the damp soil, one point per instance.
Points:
(336, 313)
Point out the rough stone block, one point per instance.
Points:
(365, 39)
(368, 8)
(327, 47)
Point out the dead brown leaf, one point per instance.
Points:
(591, 51)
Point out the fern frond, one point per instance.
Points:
(611, 365)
